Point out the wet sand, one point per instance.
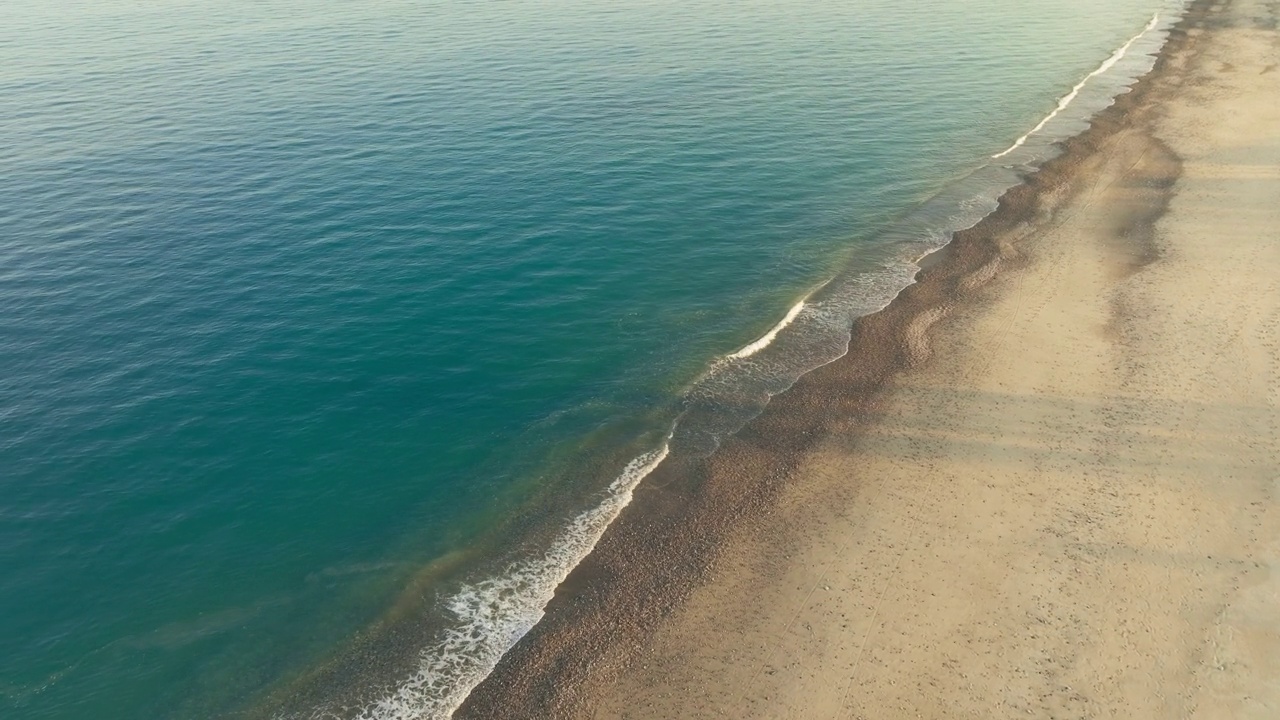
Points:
(1043, 482)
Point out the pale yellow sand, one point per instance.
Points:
(1069, 510)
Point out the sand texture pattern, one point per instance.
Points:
(1069, 509)
(1055, 498)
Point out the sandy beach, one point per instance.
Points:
(1043, 483)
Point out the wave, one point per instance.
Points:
(765, 340)
(493, 614)
(1067, 99)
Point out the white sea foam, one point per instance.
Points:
(764, 340)
(1075, 91)
(493, 614)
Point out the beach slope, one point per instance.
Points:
(1069, 508)
(1062, 499)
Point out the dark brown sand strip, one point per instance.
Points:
(670, 542)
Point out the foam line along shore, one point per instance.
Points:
(334, 338)
(664, 546)
(1066, 503)
(493, 609)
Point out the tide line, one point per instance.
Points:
(491, 615)
(1075, 91)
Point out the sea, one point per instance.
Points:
(333, 334)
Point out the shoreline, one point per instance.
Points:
(392, 648)
(433, 671)
(665, 546)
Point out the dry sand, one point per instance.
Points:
(1068, 507)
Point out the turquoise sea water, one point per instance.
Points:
(316, 314)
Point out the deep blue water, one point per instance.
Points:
(300, 301)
